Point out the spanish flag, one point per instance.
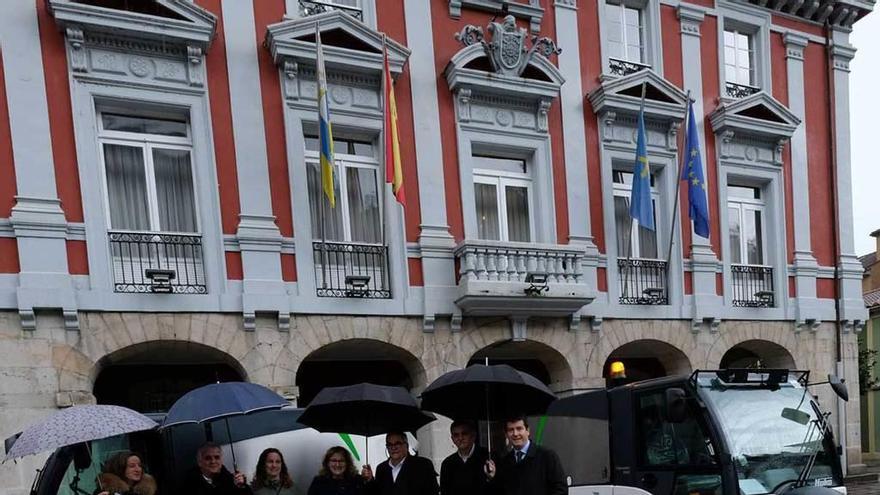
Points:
(393, 168)
(325, 131)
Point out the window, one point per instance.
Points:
(626, 36)
(148, 173)
(151, 203)
(745, 210)
(642, 242)
(739, 57)
(350, 7)
(356, 217)
(503, 199)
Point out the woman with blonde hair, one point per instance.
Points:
(124, 474)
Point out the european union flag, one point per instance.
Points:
(692, 172)
(641, 207)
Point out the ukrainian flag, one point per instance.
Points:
(325, 131)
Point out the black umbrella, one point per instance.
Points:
(483, 392)
(364, 409)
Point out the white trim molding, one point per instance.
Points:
(531, 11)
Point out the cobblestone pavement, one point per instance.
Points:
(863, 488)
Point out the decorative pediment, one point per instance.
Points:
(348, 44)
(758, 115)
(507, 65)
(178, 22)
(622, 95)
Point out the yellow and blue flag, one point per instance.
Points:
(692, 172)
(325, 130)
(641, 207)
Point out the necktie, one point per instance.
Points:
(519, 456)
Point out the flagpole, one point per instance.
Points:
(322, 194)
(683, 150)
(385, 140)
(629, 231)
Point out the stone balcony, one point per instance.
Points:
(520, 279)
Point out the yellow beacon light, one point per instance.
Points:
(618, 370)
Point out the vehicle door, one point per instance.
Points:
(673, 458)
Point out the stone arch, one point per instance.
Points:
(755, 353)
(356, 360)
(649, 358)
(150, 376)
(536, 358)
(735, 333)
(618, 333)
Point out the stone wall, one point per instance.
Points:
(51, 367)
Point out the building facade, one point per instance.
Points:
(162, 224)
(869, 345)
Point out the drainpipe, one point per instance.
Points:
(835, 229)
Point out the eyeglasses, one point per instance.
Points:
(394, 444)
(211, 457)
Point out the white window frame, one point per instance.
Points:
(621, 7)
(756, 24)
(652, 48)
(501, 180)
(625, 190)
(147, 142)
(750, 49)
(342, 162)
(746, 206)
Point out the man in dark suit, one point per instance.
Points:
(463, 472)
(401, 474)
(211, 477)
(528, 469)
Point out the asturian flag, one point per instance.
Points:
(325, 131)
(692, 172)
(641, 207)
(393, 168)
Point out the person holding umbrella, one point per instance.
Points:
(527, 469)
(463, 472)
(401, 474)
(211, 477)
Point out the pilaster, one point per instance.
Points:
(438, 262)
(575, 151)
(705, 262)
(37, 218)
(805, 265)
(258, 235)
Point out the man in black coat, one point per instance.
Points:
(528, 469)
(211, 477)
(463, 472)
(401, 474)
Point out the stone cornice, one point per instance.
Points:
(732, 116)
(198, 27)
(691, 18)
(610, 97)
(794, 45)
(284, 42)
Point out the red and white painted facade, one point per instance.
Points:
(241, 77)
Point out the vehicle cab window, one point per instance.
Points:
(679, 455)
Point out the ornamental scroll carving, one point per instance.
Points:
(507, 51)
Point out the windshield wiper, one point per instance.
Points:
(821, 425)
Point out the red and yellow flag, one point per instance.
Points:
(393, 168)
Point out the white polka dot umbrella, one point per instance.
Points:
(78, 424)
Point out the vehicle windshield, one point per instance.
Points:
(771, 434)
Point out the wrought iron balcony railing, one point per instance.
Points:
(624, 67)
(351, 270)
(642, 281)
(735, 90)
(752, 286)
(312, 7)
(154, 262)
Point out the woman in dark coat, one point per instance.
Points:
(338, 475)
(124, 474)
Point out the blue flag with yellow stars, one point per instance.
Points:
(641, 207)
(692, 172)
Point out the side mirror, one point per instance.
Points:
(839, 388)
(676, 407)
